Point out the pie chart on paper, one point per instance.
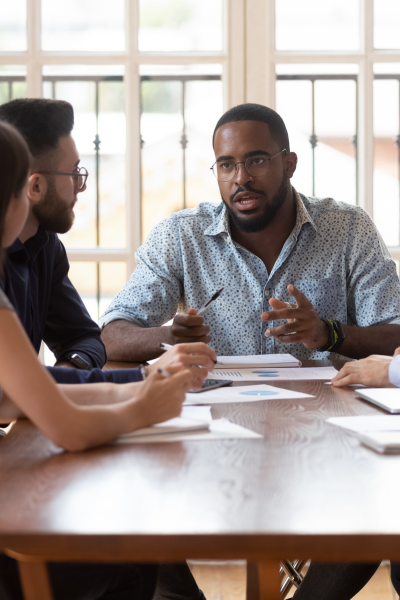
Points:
(266, 374)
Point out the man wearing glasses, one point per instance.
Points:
(304, 276)
(36, 269)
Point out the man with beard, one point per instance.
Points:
(36, 269)
(301, 275)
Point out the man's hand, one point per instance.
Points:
(188, 327)
(372, 372)
(197, 357)
(303, 323)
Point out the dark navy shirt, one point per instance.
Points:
(46, 302)
(49, 307)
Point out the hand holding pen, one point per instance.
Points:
(189, 327)
(196, 357)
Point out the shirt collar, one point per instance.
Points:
(302, 214)
(221, 223)
(30, 248)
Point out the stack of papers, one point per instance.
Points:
(274, 374)
(258, 360)
(250, 393)
(372, 423)
(195, 423)
(381, 433)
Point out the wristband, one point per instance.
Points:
(332, 336)
(143, 371)
(336, 336)
(340, 335)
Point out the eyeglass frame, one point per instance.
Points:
(244, 163)
(76, 174)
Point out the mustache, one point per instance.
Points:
(245, 188)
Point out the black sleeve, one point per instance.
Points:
(62, 375)
(69, 327)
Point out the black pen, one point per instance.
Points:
(207, 304)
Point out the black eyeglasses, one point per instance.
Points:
(79, 176)
(256, 166)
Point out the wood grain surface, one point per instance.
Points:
(306, 489)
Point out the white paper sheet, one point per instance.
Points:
(200, 413)
(250, 393)
(171, 426)
(371, 423)
(257, 360)
(219, 429)
(286, 374)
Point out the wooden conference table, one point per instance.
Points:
(306, 490)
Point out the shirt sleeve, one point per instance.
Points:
(373, 286)
(394, 371)
(69, 328)
(69, 376)
(153, 293)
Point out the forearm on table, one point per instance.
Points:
(361, 342)
(98, 394)
(9, 411)
(126, 341)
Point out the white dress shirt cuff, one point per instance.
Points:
(394, 371)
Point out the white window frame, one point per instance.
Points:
(231, 58)
(262, 58)
(248, 61)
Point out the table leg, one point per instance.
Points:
(35, 580)
(269, 580)
(252, 585)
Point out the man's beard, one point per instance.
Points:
(259, 222)
(52, 212)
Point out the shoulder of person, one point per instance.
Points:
(198, 218)
(328, 208)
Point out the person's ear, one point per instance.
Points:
(290, 164)
(37, 187)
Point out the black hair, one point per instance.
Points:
(258, 112)
(14, 164)
(41, 121)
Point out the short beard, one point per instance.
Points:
(52, 212)
(271, 210)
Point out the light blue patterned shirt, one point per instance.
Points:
(334, 255)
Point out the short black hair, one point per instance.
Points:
(257, 112)
(41, 121)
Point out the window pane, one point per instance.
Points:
(335, 127)
(334, 170)
(83, 25)
(386, 24)
(13, 26)
(113, 277)
(106, 92)
(386, 159)
(176, 161)
(162, 172)
(316, 25)
(12, 82)
(203, 108)
(298, 120)
(180, 25)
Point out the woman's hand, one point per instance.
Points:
(197, 357)
(158, 399)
